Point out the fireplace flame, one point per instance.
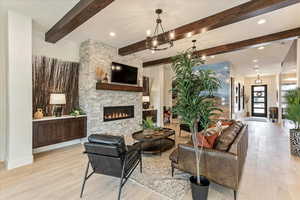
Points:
(116, 115)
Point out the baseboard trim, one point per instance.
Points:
(58, 146)
(15, 163)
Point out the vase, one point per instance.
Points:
(295, 142)
(39, 114)
(148, 132)
(199, 191)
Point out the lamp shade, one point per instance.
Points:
(57, 99)
(146, 99)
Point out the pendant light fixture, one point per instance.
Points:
(193, 53)
(160, 40)
(258, 80)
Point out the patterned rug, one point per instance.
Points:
(157, 177)
(256, 119)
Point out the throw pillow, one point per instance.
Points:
(224, 141)
(207, 141)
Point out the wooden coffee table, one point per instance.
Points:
(157, 142)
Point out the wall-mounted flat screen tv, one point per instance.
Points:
(121, 73)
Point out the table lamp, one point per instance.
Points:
(58, 100)
(146, 102)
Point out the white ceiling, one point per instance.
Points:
(268, 60)
(130, 20)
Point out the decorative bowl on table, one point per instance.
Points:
(148, 132)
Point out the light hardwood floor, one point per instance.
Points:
(270, 173)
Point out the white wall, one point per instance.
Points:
(3, 111)
(156, 76)
(168, 77)
(64, 49)
(19, 137)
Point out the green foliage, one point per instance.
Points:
(293, 107)
(148, 124)
(193, 89)
(76, 112)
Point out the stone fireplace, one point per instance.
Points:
(112, 113)
(99, 104)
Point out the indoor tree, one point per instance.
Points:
(194, 89)
(293, 107)
(293, 114)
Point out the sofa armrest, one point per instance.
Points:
(218, 166)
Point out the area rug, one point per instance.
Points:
(157, 177)
(256, 119)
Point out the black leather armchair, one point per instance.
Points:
(110, 156)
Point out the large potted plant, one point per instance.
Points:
(194, 105)
(293, 114)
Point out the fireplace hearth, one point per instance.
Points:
(118, 112)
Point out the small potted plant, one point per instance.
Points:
(293, 114)
(149, 127)
(77, 112)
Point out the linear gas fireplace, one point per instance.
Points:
(118, 112)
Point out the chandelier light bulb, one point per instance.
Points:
(154, 42)
(148, 32)
(172, 35)
(203, 57)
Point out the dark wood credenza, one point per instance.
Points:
(53, 130)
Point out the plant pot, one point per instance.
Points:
(295, 142)
(199, 191)
(148, 132)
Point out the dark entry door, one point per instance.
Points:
(259, 100)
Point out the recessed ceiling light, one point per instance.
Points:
(261, 48)
(212, 56)
(261, 21)
(112, 34)
(189, 34)
(255, 60)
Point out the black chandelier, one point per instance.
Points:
(160, 40)
(193, 53)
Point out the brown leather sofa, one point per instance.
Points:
(223, 167)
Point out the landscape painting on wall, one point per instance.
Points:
(222, 96)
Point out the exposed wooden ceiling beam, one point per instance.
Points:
(250, 43)
(83, 11)
(236, 14)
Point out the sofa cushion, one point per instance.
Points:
(174, 156)
(207, 141)
(224, 141)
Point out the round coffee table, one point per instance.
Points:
(157, 142)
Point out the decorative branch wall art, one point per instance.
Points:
(54, 76)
